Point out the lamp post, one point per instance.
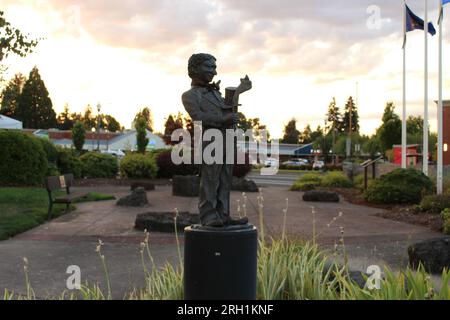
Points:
(98, 126)
(93, 135)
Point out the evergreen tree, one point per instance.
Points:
(305, 136)
(350, 107)
(10, 95)
(35, 108)
(390, 131)
(64, 120)
(78, 135)
(291, 134)
(334, 117)
(173, 123)
(147, 115)
(141, 134)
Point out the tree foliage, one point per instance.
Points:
(141, 135)
(145, 113)
(350, 109)
(10, 96)
(390, 131)
(78, 136)
(291, 134)
(35, 108)
(173, 123)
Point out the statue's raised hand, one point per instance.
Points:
(245, 85)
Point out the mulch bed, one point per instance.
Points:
(117, 182)
(402, 213)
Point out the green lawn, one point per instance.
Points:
(25, 208)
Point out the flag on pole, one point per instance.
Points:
(445, 1)
(413, 22)
(441, 14)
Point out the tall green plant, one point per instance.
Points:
(141, 134)
(78, 135)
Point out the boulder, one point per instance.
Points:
(434, 254)
(164, 221)
(244, 185)
(137, 198)
(148, 186)
(186, 186)
(320, 196)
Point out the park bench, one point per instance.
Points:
(56, 183)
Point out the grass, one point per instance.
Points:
(24, 208)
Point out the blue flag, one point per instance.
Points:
(413, 22)
(445, 1)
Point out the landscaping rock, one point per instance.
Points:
(186, 186)
(320, 196)
(137, 198)
(148, 186)
(434, 254)
(164, 221)
(244, 185)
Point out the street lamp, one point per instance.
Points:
(92, 137)
(98, 126)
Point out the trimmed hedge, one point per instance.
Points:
(167, 169)
(401, 186)
(68, 162)
(98, 165)
(22, 159)
(336, 180)
(138, 166)
(435, 203)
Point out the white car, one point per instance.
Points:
(296, 162)
(318, 164)
(271, 162)
(117, 153)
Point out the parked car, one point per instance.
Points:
(117, 153)
(271, 162)
(318, 164)
(296, 162)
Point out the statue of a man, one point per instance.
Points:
(205, 103)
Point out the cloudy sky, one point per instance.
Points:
(299, 54)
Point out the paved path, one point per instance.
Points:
(71, 239)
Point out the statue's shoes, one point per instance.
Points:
(235, 222)
(213, 222)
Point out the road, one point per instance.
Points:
(280, 179)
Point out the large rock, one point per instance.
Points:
(148, 186)
(434, 254)
(137, 198)
(186, 186)
(242, 184)
(164, 221)
(320, 196)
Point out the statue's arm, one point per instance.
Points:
(191, 103)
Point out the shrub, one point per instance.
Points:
(333, 167)
(359, 181)
(435, 203)
(68, 162)
(445, 214)
(78, 135)
(22, 159)
(400, 186)
(336, 180)
(50, 150)
(52, 170)
(137, 165)
(311, 177)
(167, 169)
(97, 165)
(304, 186)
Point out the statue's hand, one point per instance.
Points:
(245, 85)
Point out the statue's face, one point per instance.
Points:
(207, 70)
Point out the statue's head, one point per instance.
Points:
(202, 67)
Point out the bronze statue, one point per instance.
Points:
(205, 103)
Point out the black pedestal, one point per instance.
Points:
(220, 263)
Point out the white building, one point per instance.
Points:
(10, 123)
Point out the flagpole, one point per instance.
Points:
(425, 111)
(404, 90)
(439, 175)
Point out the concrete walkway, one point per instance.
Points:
(71, 239)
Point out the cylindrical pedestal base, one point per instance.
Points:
(220, 263)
